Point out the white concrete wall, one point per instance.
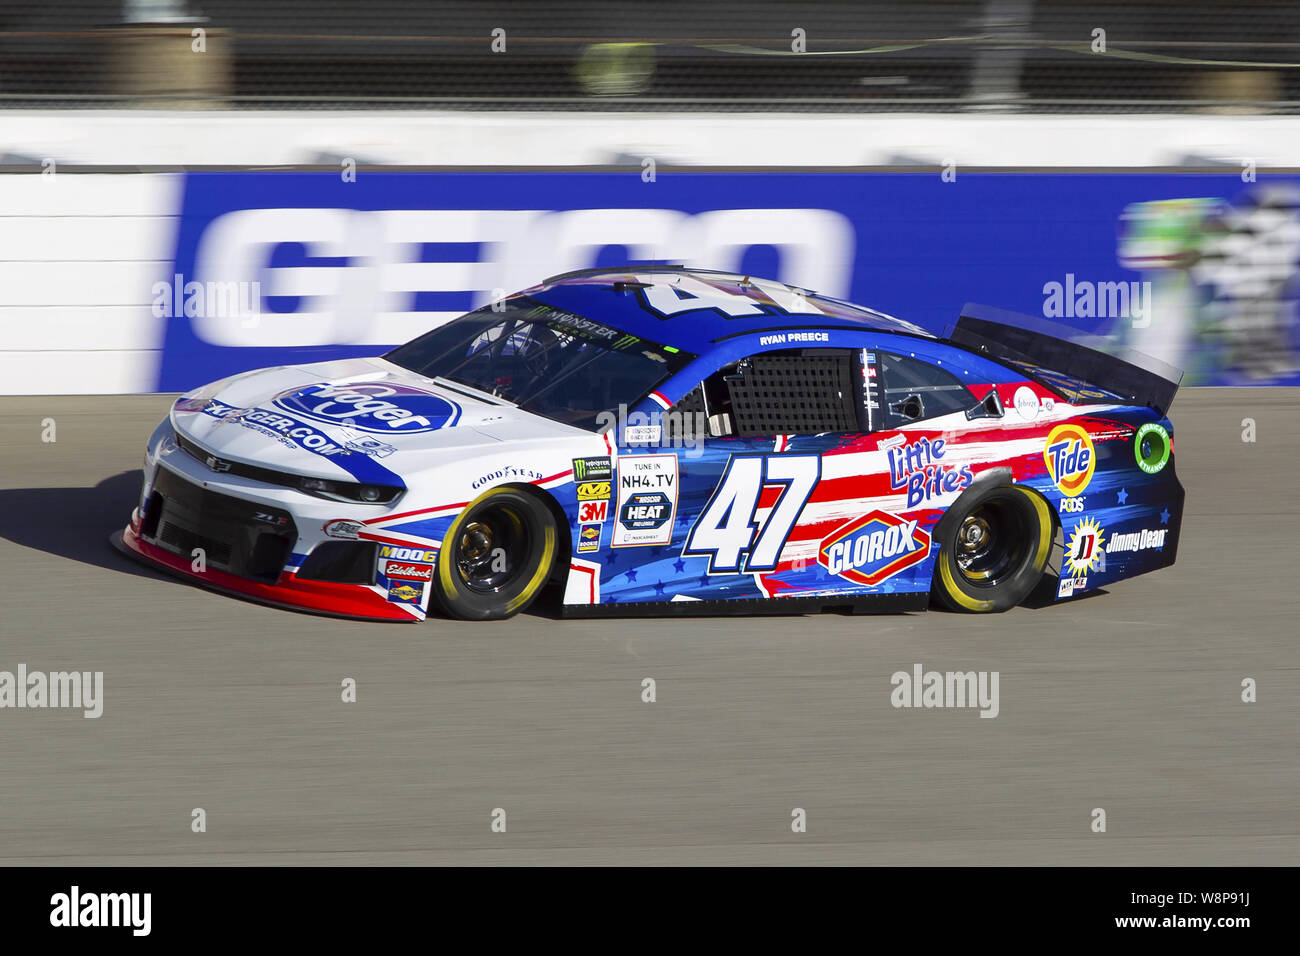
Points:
(79, 252)
(141, 137)
(78, 255)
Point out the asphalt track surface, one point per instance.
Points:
(1129, 700)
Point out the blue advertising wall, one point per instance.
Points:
(1213, 257)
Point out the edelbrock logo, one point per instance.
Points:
(371, 407)
(873, 548)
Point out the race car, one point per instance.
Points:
(664, 440)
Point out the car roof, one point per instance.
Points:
(622, 297)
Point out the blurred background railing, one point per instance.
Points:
(729, 55)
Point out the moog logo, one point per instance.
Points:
(371, 407)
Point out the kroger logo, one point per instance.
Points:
(873, 548)
(371, 407)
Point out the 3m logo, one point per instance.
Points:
(593, 491)
(593, 511)
(874, 548)
(1070, 458)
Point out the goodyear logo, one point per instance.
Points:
(873, 548)
(1070, 457)
(593, 490)
(408, 554)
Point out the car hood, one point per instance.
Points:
(365, 418)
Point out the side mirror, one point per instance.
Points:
(910, 408)
(991, 407)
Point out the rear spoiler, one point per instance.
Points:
(1065, 360)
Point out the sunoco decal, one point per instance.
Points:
(371, 407)
(874, 548)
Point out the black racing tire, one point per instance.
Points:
(992, 551)
(497, 556)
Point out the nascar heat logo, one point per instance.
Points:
(371, 407)
(874, 548)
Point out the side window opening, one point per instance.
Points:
(792, 392)
(912, 390)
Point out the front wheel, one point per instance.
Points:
(497, 556)
(993, 550)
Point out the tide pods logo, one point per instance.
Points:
(870, 549)
(371, 407)
(1071, 458)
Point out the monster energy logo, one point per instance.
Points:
(625, 342)
(598, 469)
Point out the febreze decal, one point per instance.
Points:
(371, 406)
(873, 548)
(916, 467)
(1070, 458)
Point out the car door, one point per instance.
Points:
(712, 501)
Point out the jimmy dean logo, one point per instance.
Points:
(1070, 458)
(873, 548)
(1137, 541)
(914, 467)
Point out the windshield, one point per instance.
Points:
(545, 360)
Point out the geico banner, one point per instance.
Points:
(274, 267)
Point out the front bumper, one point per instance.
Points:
(290, 592)
(254, 541)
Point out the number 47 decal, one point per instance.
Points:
(726, 529)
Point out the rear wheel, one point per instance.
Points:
(993, 551)
(497, 556)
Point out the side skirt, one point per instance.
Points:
(858, 604)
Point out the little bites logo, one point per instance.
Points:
(874, 548)
(1070, 458)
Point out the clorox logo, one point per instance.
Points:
(1070, 458)
(873, 548)
(371, 407)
